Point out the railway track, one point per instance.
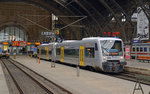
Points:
(130, 76)
(26, 81)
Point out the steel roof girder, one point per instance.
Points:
(89, 14)
(107, 6)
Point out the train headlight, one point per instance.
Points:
(104, 58)
(121, 58)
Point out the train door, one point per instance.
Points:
(81, 56)
(53, 52)
(39, 52)
(62, 54)
(47, 53)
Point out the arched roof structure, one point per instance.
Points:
(99, 12)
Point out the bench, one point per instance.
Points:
(139, 78)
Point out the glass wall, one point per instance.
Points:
(12, 33)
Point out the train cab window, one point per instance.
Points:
(58, 51)
(137, 49)
(96, 48)
(141, 49)
(145, 49)
(89, 52)
(133, 49)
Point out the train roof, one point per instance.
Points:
(46, 44)
(140, 44)
(89, 38)
(101, 38)
(71, 40)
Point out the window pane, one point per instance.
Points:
(133, 49)
(96, 48)
(145, 49)
(141, 49)
(71, 53)
(17, 34)
(10, 33)
(58, 51)
(137, 49)
(89, 52)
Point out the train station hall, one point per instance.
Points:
(74, 47)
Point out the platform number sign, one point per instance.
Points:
(62, 54)
(81, 55)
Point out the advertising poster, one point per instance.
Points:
(19, 43)
(127, 52)
(32, 48)
(5, 47)
(142, 25)
(28, 48)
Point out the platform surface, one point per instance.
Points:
(87, 83)
(3, 85)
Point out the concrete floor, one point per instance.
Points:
(87, 83)
(3, 85)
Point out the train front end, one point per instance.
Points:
(112, 55)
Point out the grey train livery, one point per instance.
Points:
(102, 53)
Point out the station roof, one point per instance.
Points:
(99, 11)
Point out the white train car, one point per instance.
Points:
(103, 53)
(140, 51)
(45, 51)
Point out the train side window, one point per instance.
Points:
(58, 51)
(38, 51)
(133, 49)
(137, 49)
(71, 53)
(145, 49)
(43, 51)
(96, 48)
(89, 52)
(141, 49)
(50, 52)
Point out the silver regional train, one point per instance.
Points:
(105, 54)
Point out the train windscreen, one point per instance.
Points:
(111, 47)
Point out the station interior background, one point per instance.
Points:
(26, 20)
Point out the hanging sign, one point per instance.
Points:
(19, 43)
(5, 43)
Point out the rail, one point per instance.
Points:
(48, 86)
(43, 81)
